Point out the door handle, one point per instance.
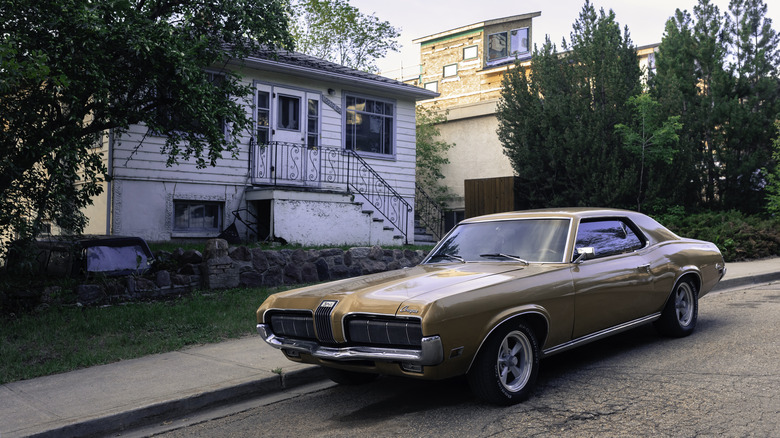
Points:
(645, 268)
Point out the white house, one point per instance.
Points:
(331, 161)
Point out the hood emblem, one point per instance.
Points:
(406, 309)
(328, 304)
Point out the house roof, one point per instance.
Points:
(478, 25)
(306, 66)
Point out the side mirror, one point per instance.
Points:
(585, 253)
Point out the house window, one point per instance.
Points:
(369, 125)
(312, 136)
(470, 52)
(263, 117)
(503, 45)
(450, 70)
(289, 113)
(198, 216)
(432, 86)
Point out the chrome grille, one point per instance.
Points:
(397, 332)
(293, 325)
(322, 320)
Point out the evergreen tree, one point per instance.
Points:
(753, 105)
(691, 81)
(556, 121)
(719, 72)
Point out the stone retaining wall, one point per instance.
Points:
(222, 267)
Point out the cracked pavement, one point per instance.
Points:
(724, 380)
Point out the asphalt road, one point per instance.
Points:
(724, 380)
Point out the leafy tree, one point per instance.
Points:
(338, 32)
(556, 120)
(73, 70)
(653, 139)
(431, 154)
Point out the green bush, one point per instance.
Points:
(739, 237)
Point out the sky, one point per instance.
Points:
(419, 18)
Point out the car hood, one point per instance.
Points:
(384, 293)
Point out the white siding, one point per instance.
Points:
(144, 188)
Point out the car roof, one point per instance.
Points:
(654, 231)
(573, 212)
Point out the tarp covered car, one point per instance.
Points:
(66, 256)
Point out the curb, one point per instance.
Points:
(731, 283)
(174, 408)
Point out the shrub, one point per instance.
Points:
(738, 237)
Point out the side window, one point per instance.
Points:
(607, 237)
(313, 128)
(263, 117)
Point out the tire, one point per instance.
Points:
(344, 377)
(678, 319)
(505, 370)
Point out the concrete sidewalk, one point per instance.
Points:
(128, 394)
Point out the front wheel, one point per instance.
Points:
(506, 367)
(679, 316)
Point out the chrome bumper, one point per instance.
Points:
(430, 353)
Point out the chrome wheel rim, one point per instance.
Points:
(514, 361)
(683, 304)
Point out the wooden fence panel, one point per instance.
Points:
(489, 195)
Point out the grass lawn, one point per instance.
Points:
(64, 338)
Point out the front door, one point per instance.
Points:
(287, 136)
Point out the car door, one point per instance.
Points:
(615, 285)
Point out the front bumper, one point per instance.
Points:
(430, 352)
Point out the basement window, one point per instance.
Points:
(197, 216)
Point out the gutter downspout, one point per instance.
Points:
(110, 181)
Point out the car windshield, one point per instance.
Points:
(520, 240)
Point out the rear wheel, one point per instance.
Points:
(506, 367)
(345, 377)
(679, 316)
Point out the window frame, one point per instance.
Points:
(435, 84)
(356, 114)
(192, 230)
(452, 74)
(509, 52)
(475, 47)
(265, 128)
(629, 226)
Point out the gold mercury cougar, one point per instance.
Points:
(495, 295)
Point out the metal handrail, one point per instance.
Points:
(429, 212)
(292, 164)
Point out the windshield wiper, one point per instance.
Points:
(449, 256)
(506, 256)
